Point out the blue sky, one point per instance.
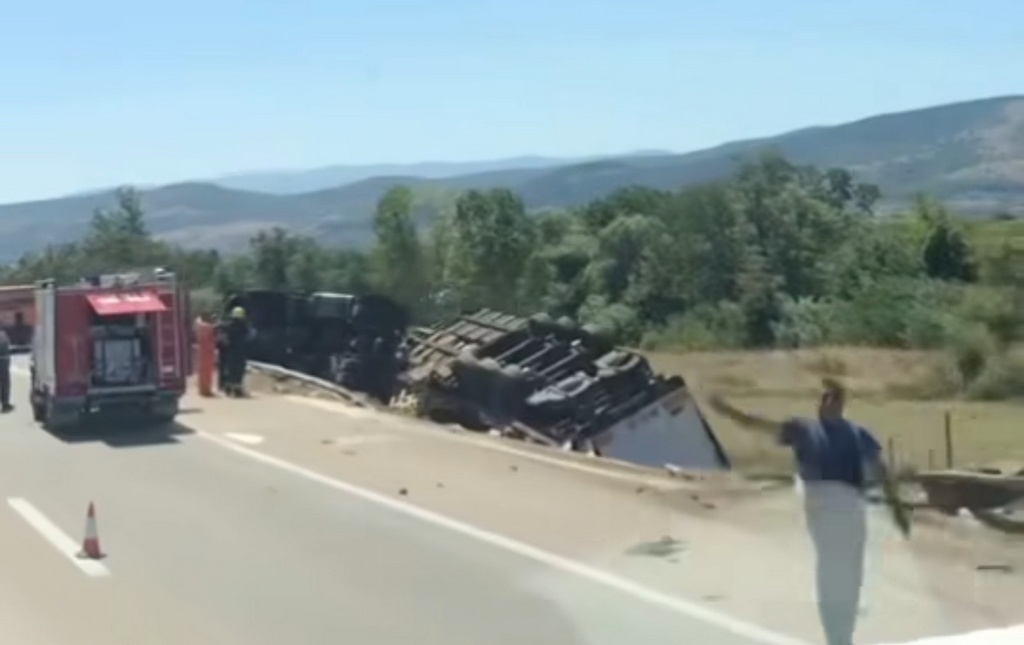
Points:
(102, 92)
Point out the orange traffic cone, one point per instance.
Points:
(91, 542)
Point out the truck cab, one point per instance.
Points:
(113, 345)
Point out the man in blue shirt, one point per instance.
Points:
(835, 460)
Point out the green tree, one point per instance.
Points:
(947, 256)
(397, 263)
(118, 238)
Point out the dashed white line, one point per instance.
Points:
(361, 439)
(56, 537)
(251, 439)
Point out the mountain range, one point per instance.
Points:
(969, 154)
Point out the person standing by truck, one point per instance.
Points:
(5, 372)
(836, 459)
(234, 335)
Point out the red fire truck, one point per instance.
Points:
(112, 345)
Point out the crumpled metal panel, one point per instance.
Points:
(555, 383)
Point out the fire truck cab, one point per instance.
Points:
(113, 344)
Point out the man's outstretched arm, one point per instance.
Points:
(747, 420)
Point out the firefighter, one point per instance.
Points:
(5, 372)
(234, 338)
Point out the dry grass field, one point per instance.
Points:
(784, 383)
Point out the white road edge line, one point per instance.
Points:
(605, 578)
(56, 537)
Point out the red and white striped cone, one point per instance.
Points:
(91, 542)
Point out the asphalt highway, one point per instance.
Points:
(275, 520)
(208, 545)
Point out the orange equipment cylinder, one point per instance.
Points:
(206, 348)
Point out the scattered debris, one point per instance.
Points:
(986, 494)
(666, 547)
(1003, 568)
(403, 491)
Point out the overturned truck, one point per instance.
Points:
(558, 384)
(351, 340)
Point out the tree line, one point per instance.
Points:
(776, 255)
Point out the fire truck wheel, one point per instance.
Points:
(38, 412)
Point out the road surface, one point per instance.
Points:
(207, 545)
(273, 521)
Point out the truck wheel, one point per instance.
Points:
(38, 412)
(163, 413)
(59, 423)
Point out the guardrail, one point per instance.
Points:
(272, 370)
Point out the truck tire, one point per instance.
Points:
(59, 423)
(160, 420)
(163, 413)
(38, 412)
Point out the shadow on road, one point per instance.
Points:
(124, 435)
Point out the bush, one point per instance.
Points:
(973, 347)
(895, 312)
(619, 321)
(805, 322)
(702, 328)
(1002, 377)
(999, 309)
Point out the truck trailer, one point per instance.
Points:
(112, 345)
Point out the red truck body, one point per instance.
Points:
(114, 344)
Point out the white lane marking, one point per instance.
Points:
(1013, 635)
(251, 439)
(490, 443)
(56, 537)
(361, 439)
(608, 579)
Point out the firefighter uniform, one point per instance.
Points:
(234, 339)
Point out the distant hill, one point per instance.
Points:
(969, 154)
(292, 182)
